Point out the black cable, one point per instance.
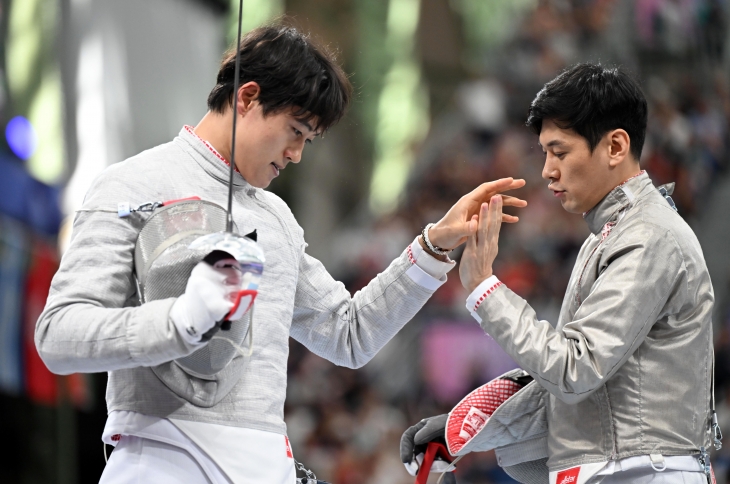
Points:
(232, 161)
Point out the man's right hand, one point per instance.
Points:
(206, 301)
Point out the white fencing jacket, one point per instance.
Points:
(93, 321)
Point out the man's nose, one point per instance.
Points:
(294, 154)
(549, 170)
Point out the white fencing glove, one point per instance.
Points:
(206, 301)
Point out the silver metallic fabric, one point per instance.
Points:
(628, 364)
(531, 471)
(93, 321)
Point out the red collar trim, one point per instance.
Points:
(626, 181)
(189, 129)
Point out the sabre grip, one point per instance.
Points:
(434, 450)
(225, 323)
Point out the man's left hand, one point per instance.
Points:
(481, 248)
(415, 440)
(461, 221)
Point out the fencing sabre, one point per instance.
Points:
(181, 233)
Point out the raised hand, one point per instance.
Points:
(461, 221)
(482, 247)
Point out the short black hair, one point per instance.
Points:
(292, 71)
(592, 100)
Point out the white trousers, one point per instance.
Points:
(159, 451)
(137, 460)
(647, 475)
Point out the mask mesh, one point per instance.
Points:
(163, 263)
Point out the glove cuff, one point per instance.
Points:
(180, 317)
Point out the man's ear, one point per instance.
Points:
(248, 95)
(619, 145)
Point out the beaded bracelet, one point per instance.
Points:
(431, 247)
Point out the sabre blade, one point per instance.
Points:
(229, 225)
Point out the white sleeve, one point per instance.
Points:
(432, 266)
(350, 330)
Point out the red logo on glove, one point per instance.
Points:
(569, 476)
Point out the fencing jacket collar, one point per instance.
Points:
(617, 199)
(210, 160)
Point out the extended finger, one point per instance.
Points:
(508, 201)
(483, 230)
(495, 219)
(516, 183)
(486, 190)
(473, 224)
(471, 240)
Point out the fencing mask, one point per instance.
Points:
(509, 415)
(174, 239)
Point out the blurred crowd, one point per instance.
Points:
(346, 424)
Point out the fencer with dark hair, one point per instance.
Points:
(628, 366)
(592, 100)
(171, 424)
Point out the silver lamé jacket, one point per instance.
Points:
(628, 364)
(93, 322)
